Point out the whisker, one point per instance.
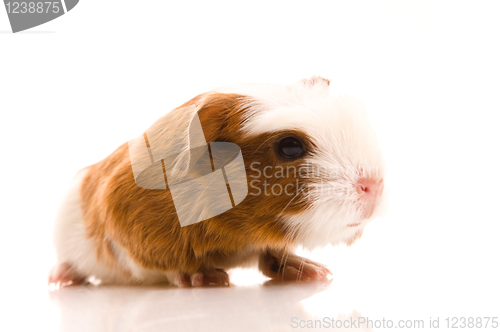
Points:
(301, 270)
(297, 194)
(283, 263)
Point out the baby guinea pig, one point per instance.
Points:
(313, 175)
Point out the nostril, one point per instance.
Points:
(361, 189)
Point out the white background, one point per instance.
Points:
(74, 89)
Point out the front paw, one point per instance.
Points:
(289, 267)
(205, 277)
(63, 275)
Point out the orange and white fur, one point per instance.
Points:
(111, 230)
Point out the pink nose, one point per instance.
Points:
(369, 189)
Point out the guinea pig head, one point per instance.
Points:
(313, 163)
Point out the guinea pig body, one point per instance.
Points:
(314, 174)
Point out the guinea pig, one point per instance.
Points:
(312, 176)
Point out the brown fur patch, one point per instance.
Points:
(144, 222)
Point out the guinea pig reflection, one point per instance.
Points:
(248, 308)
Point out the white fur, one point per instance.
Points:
(70, 237)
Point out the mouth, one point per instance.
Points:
(354, 225)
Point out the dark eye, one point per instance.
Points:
(290, 148)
